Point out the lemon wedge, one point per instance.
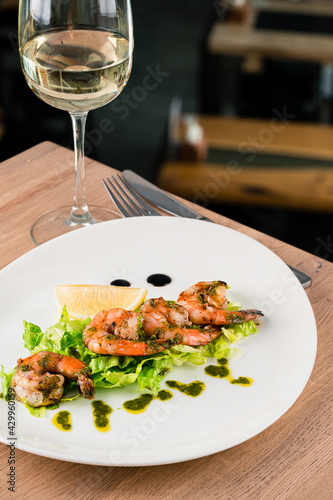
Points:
(83, 301)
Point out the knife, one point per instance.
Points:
(303, 278)
(161, 199)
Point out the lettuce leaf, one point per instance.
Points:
(38, 411)
(59, 338)
(32, 335)
(235, 332)
(5, 381)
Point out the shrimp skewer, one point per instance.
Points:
(206, 303)
(39, 378)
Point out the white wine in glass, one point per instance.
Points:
(76, 55)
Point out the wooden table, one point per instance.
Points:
(289, 460)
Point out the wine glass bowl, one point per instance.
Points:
(75, 56)
(70, 70)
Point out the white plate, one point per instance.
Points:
(279, 358)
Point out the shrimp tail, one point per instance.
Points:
(222, 317)
(86, 386)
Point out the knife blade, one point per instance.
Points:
(159, 197)
(303, 278)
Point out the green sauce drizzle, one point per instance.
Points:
(217, 371)
(223, 371)
(193, 389)
(63, 421)
(164, 395)
(101, 412)
(242, 381)
(140, 404)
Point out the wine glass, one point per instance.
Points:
(76, 55)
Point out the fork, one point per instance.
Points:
(128, 206)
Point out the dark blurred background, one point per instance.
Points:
(174, 43)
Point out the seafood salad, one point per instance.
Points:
(118, 347)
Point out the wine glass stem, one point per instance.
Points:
(80, 212)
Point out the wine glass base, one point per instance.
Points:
(55, 223)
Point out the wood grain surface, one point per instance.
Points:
(307, 7)
(301, 187)
(292, 459)
(237, 40)
(279, 135)
(298, 188)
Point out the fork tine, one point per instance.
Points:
(122, 198)
(126, 199)
(135, 195)
(120, 207)
(117, 179)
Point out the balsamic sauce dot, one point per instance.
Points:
(120, 283)
(159, 279)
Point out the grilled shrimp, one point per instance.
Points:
(39, 379)
(119, 322)
(206, 303)
(116, 332)
(166, 320)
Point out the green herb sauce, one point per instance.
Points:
(217, 371)
(63, 421)
(223, 371)
(24, 368)
(140, 404)
(242, 381)
(101, 412)
(164, 395)
(193, 389)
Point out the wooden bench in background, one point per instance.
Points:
(244, 39)
(308, 188)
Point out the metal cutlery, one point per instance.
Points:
(128, 206)
(159, 197)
